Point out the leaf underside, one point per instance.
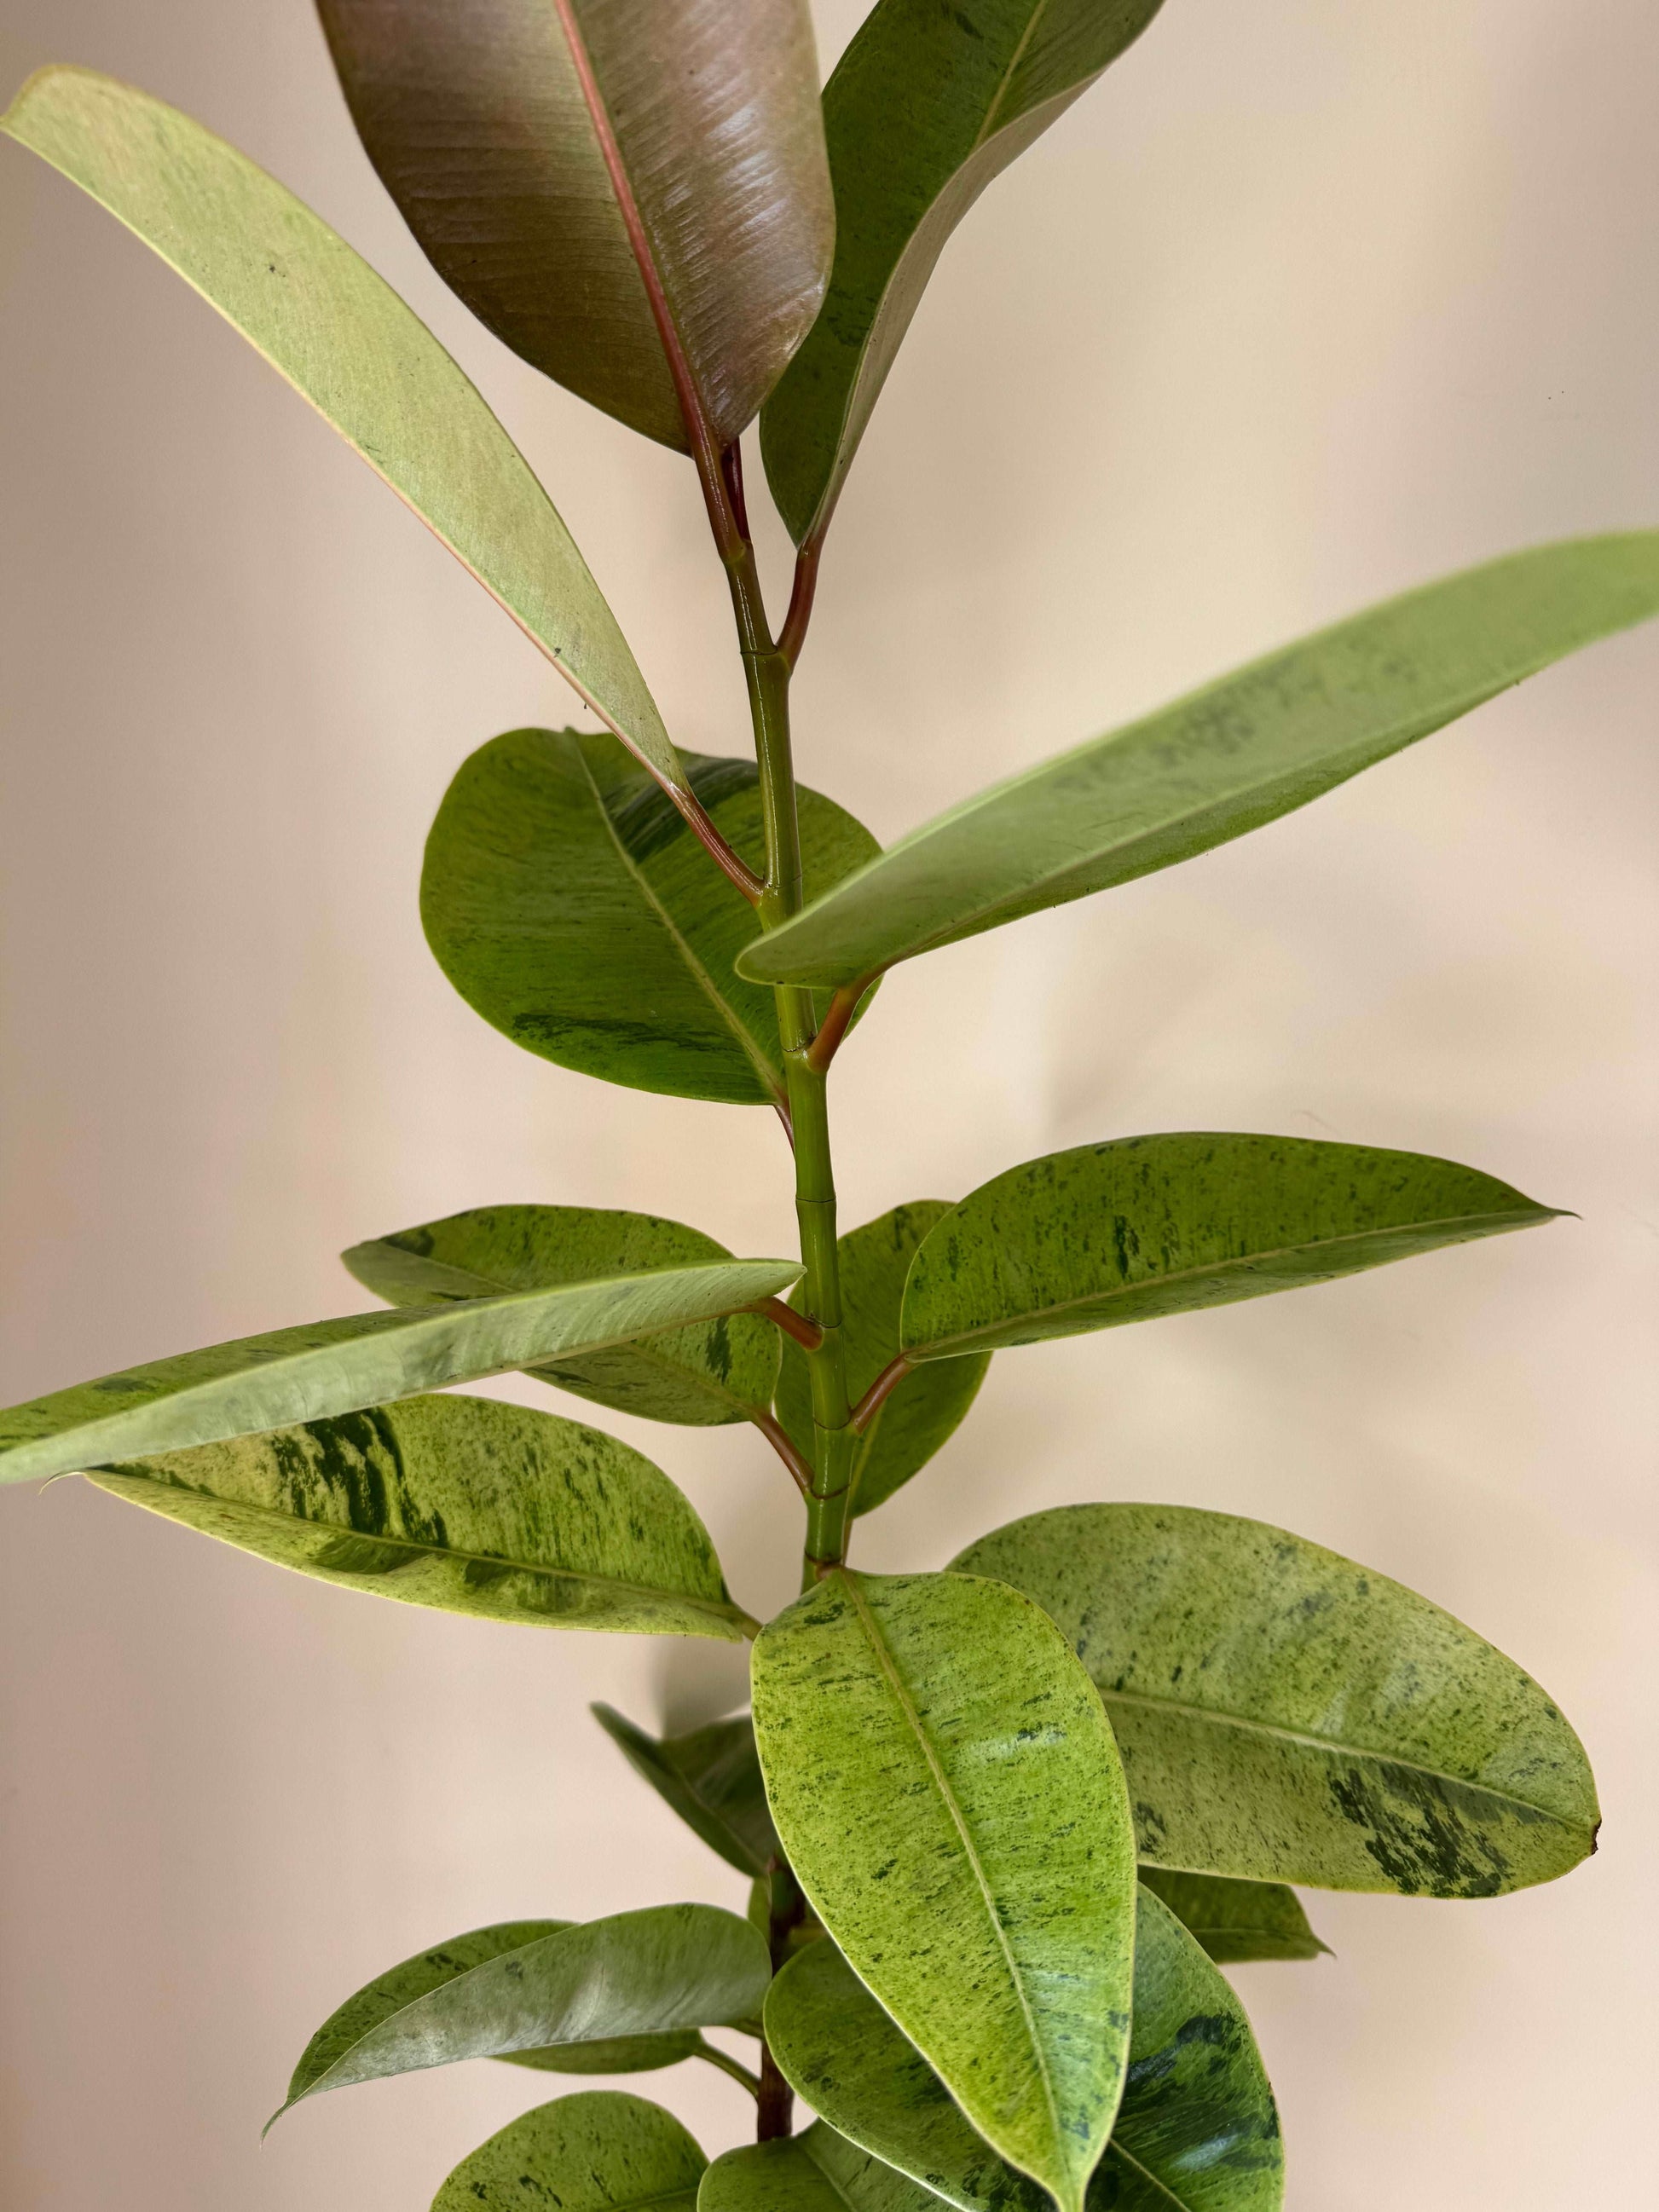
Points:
(712, 1779)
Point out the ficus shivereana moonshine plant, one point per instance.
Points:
(1002, 1824)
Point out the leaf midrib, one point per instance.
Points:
(987, 129)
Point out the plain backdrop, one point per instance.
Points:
(1308, 302)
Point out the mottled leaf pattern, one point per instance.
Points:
(711, 1778)
(568, 904)
(599, 2151)
(717, 1371)
(913, 1420)
(946, 1787)
(346, 342)
(1286, 1716)
(1236, 1922)
(1221, 761)
(816, 2170)
(1148, 1225)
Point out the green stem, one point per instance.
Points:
(734, 2067)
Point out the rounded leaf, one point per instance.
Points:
(599, 2151)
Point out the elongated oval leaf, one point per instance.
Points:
(464, 1503)
(717, 1371)
(818, 2171)
(345, 342)
(915, 1418)
(330, 1367)
(1222, 761)
(598, 2151)
(1236, 1922)
(1286, 1716)
(946, 1787)
(927, 105)
(1149, 1226)
(712, 1779)
(669, 1967)
(568, 902)
(1197, 2128)
(484, 123)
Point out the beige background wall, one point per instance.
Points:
(1311, 301)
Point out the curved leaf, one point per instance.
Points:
(598, 2151)
(1197, 2127)
(712, 1779)
(345, 342)
(1286, 1716)
(1222, 761)
(946, 1787)
(717, 1371)
(464, 1503)
(816, 2170)
(925, 1410)
(1236, 1922)
(1144, 1226)
(475, 119)
(615, 2054)
(927, 105)
(330, 1367)
(669, 1967)
(568, 904)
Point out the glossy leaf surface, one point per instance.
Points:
(1222, 761)
(927, 105)
(464, 1503)
(946, 1787)
(476, 120)
(702, 1376)
(712, 1779)
(1144, 1226)
(1286, 1716)
(598, 2151)
(669, 1967)
(1236, 1922)
(925, 1410)
(816, 2170)
(345, 342)
(330, 1367)
(1197, 2127)
(568, 904)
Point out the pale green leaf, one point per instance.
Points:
(816, 2170)
(1236, 1922)
(1222, 761)
(598, 2151)
(1142, 1226)
(712, 1779)
(345, 342)
(945, 1785)
(1286, 1716)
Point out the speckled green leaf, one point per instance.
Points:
(816, 2170)
(945, 1785)
(1284, 1715)
(1148, 1225)
(346, 342)
(464, 1503)
(928, 104)
(330, 1367)
(1197, 2127)
(615, 2054)
(598, 2151)
(668, 1968)
(568, 904)
(717, 1371)
(1236, 1922)
(711, 1778)
(1221, 761)
(914, 1419)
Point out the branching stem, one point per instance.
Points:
(734, 2067)
(807, 1334)
(870, 1403)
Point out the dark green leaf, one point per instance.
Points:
(346, 342)
(569, 905)
(1149, 1226)
(717, 1371)
(670, 1967)
(617, 2054)
(1196, 2128)
(816, 2170)
(711, 1778)
(928, 105)
(598, 2151)
(1236, 1922)
(947, 1789)
(1286, 1716)
(1221, 761)
(331, 1367)
(475, 119)
(914, 1419)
